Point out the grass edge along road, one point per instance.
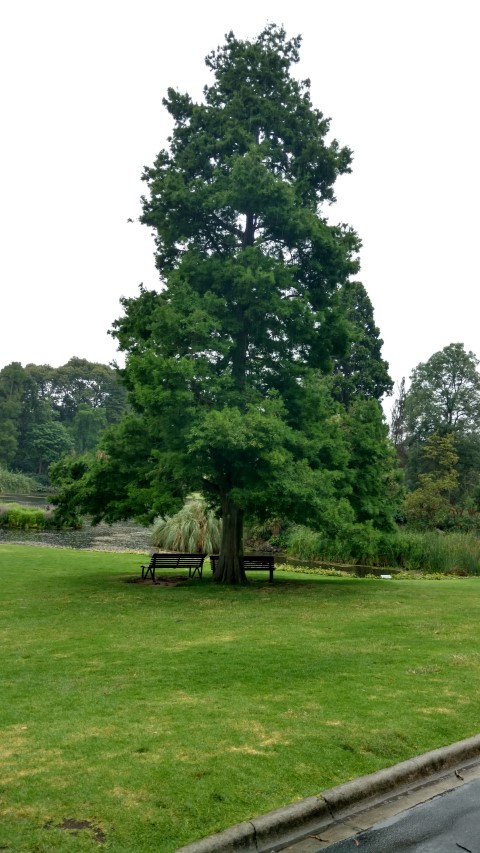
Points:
(144, 717)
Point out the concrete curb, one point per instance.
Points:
(291, 823)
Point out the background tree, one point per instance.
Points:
(224, 365)
(79, 383)
(444, 393)
(48, 443)
(444, 398)
(87, 427)
(12, 387)
(398, 427)
(430, 504)
(82, 397)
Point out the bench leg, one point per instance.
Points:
(191, 572)
(146, 571)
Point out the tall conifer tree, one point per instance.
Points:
(226, 363)
(224, 358)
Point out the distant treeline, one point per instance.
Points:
(47, 412)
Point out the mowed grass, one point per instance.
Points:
(137, 717)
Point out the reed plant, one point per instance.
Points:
(12, 483)
(428, 551)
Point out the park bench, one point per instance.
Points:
(192, 562)
(253, 563)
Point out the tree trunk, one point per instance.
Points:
(229, 568)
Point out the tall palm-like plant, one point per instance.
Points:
(194, 528)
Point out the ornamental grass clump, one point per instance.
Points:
(194, 529)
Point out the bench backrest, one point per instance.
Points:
(251, 562)
(172, 561)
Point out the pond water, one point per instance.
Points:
(123, 536)
(25, 500)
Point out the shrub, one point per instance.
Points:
(20, 517)
(314, 570)
(274, 530)
(17, 517)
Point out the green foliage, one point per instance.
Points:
(361, 372)
(306, 544)
(13, 382)
(79, 383)
(398, 427)
(45, 411)
(220, 360)
(69, 475)
(456, 553)
(12, 482)
(194, 528)
(430, 504)
(14, 516)
(329, 572)
(49, 442)
(444, 392)
(376, 480)
(444, 397)
(273, 531)
(87, 426)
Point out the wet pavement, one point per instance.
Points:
(440, 816)
(448, 823)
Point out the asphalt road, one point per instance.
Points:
(448, 823)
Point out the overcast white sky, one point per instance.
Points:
(81, 114)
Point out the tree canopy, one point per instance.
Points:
(444, 398)
(444, 393)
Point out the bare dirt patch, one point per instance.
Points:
(74, 826)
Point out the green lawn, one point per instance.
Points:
(157, 715)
